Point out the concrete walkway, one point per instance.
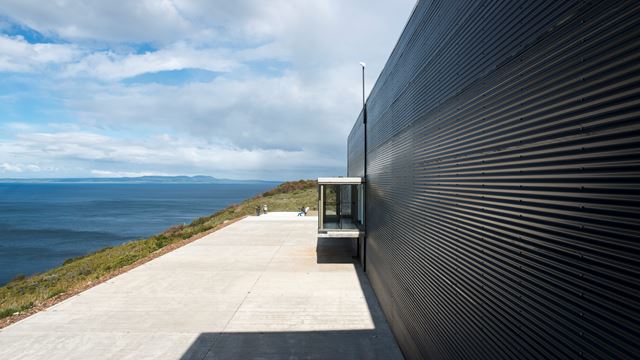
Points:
(262, 288)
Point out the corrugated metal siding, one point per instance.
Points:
(503, 181)
(355, 149)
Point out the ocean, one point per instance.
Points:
(41, 225)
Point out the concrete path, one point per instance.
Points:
(262, 288)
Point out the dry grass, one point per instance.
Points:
(25, 295)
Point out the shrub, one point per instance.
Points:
(291, 186)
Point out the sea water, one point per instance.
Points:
(41, 225)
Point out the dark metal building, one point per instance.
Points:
(503, 180)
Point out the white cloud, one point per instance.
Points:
(112, 66)
(103, 20)
(166, 21)
(17, 126)
(178, 156)
(250, 119)
(19, 168)
(6, 167)
(16, 54)
(250, 113)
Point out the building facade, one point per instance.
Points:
(503, 180)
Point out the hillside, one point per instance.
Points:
(25, 295)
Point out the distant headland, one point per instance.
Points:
(197, 179)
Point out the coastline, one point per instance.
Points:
(24, 297)
(44, 225)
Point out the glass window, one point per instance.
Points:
(340, 206)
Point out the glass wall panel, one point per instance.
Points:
(340, 206)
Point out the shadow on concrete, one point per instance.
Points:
(348, 344)
(335, 250)
(375, 343)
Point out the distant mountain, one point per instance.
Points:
(198, 179)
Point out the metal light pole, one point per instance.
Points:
(363, 66)
(364, 170)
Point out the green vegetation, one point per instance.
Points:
(23, 293)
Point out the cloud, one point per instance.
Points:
(6, 167)
(113, 66)
(104, 155)
(249, 113)
(284, 96)
(163, 21)
(18, 55)
(113, 21)
(19, 168)
(16, 126)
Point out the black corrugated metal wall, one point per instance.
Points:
(503, 184)
(355, 144)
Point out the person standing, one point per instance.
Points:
(264, 209)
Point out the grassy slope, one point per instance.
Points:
(24, 293)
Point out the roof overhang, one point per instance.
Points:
(340, 180)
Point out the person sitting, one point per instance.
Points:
(303, 211)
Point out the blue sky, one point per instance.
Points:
(235, 89)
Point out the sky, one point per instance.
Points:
(244, 89)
